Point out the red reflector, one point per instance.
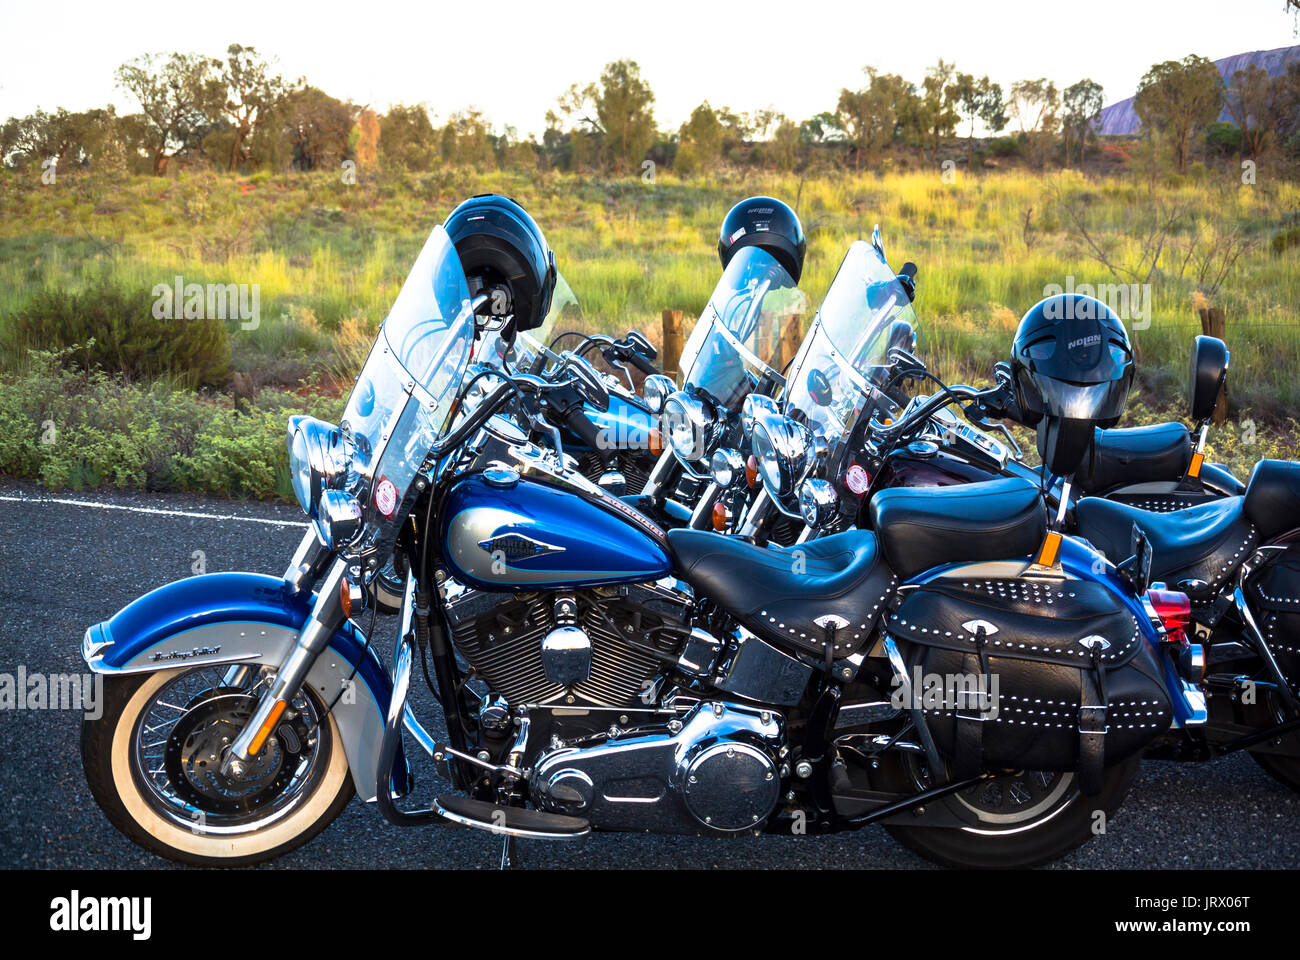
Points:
(1173, 608)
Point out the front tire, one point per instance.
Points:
(202, 818)
(1053, 819)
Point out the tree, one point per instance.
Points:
(249, 92)
(868, 116)
(174, 95)
(784, 149)
(935, 117)
(1178, 98)
(317, 128)
(700, 140)
(625, 112)
(1082, 105)
(64, 137)
(978, 100)
(467, 140)
(407, 138)
(1035, 105)
(1255, 101)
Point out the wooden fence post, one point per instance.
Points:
(791, 338)
(674, 339)
(1214, 324)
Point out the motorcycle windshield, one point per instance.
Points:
(737, 341)
(833, 378)
(402, 401)
(531, 353)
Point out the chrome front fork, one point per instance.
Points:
(660, 475)
(325, 618)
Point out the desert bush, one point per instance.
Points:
(70, 427)
(114, 329)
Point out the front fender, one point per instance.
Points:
(250, 618)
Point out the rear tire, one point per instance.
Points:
(1063, 821)
(110, 758)
(1285, 770)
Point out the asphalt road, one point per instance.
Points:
(65, 566)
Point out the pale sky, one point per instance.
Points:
(512, 59)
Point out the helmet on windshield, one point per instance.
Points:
(505, 256)
(1072, 364)
(768, 223)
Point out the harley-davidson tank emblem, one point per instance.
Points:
(515, 547)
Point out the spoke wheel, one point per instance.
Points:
(153, 763)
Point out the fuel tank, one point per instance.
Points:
(531, 536)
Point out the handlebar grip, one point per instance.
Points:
(580, 424)
(642, 363)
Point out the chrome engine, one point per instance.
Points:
(716, 770)
(585, 648)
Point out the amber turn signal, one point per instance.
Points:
(656, 442)
(751, 472)
(719, 516)
(264, 731)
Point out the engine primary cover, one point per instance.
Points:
(730, 786)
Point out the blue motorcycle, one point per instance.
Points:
(938, 674)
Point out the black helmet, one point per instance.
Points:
(767, 223)
(1073, 365)
(505, 256)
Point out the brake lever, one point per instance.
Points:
(612, 357)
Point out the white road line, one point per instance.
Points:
(153, 510)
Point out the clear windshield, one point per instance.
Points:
(752, 325)
(833, 377)
(531, 350)
(403, 398)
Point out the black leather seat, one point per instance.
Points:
(924, 527)
(1205, 543)
(791, 595)
(1272, 501)
(1160, 451)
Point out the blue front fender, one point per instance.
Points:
(250, 618)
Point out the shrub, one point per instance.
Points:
(1285, 240)
(78, 428)
(1223, 139)
(115, 329)
(1005, 147)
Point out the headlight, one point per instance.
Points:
(782, 447)
(338, 519)
(656, 390)
(754, 404)
(316, 460)
(685, 422)
(817, 502)
(726, 466)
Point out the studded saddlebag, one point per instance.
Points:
(1274, 595)
(1032, 674)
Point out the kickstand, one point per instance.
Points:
(509, 853)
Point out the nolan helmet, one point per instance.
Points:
(767, 223)
(506, 258)
(1072, 364)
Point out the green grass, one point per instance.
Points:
(329, 257)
